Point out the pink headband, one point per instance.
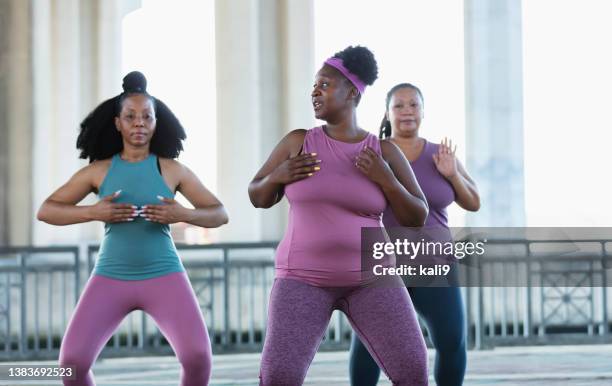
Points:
(339, 65)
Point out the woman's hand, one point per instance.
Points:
(109, 212)
(374, 167)
(296, 168)
(445, 160)
(169, 212)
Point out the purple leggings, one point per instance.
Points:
(171, 302)
(382, 316)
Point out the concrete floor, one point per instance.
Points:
(529, 366)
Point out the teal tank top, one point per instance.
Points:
(138, 249)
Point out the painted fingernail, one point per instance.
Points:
(130, 219)
(147, 219)
(313, 154)
(160, 197)
(309, 174)
(118, 191)
(317, 168)
(318, 161)
(134, 207)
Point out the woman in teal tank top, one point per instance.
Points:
(131, 141)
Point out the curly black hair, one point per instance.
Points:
(360, 61)
(385, 125)
(99, 138)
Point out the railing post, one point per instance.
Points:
(7, 345)
(527, 321)
(226, 303)
(143, 331)
(604, 287)
(23, 300)
(468, 307)
(478, 326)
(77, 274)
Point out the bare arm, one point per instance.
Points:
(283, 167)
(61, 208)
(465, 188)
(397, 182)
(208, 211)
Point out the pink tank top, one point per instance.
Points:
(322, 243)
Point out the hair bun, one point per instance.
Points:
(135, 82)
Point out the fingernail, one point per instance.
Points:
(134, 207)
(144, 207)
(313, 154)
(147, 219)
(130, 219)
(317, 168)
(319, 161)
(160, 197)
(118, 191)
(309, 174)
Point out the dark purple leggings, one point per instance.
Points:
(382, 316)
(168, 299)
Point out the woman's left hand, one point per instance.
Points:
(168, 213)
(445, 160)
(374, 166)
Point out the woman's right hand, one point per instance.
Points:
(295, 168)
(109, 212)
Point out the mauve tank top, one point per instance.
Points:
(322, 242)
(438, 191)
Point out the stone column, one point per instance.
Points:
(15, 122)
(494, 110)
(4, 157)
(76, 64)
(263, 83)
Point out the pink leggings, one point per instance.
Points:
(171, 302)
(381, 315)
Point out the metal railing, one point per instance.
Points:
(38, 289)
(40, 286)
(562, 297)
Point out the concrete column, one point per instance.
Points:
(108, 42)
(4, 157)
(258, 100)
(76, 65)
(494, 110)
(57, 108)
(15, 122)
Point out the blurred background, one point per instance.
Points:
(521, 87)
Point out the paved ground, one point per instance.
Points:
(529, 366)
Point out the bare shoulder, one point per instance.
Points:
(172, 166)
(296, 136)
(170, 162)
(389, 150)
(297, 133)
(96, 171)
(101, 164)
(294, 141)
(98, 168)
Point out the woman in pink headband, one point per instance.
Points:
(338, 179)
